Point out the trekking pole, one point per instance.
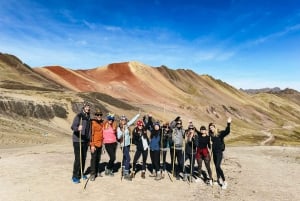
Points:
(212, 163)
(192, 163)
(173, 162)
(80, 158)
(122, 151)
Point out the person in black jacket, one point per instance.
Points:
(218, 146)
(81, 130)
(141, 140)
(190, 151)
(166, 143)
(203, 154)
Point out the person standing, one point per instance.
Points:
(155, 150)
(218, 146)
(110, 142)
(96, 143)
(190, 151)
(203, 154)
(141, 140)
(166, 142)
(176, 149)
(80, 138)
(123, 135)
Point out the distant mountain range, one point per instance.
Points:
(131, 87)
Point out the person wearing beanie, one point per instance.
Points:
(96, 133)
(81, 130)
(123, 135)
(141, 141)
(191, 142)
(110, 142)
(176, 149)
(155, 150)
(218, 146)
(203, 154)
(166, 142)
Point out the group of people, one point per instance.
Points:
(191, 144)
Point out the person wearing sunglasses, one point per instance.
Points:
(96, 134)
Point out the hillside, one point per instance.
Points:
(130, 87)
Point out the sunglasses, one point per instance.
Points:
(98, 114)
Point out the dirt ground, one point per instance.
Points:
(43, 172)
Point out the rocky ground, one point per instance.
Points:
(43, 172)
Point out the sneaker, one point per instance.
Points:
(209, 182)
(75, 180)
(84, 177)
(158, 177)
(152, 175)
(111, 173)
(128, 177)
(92, 178)
(224, 186)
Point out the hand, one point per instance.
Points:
(229, 120)
(79, 127)
(93, 149)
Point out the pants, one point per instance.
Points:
(218, 156)
(155, 159)
(76, 165)
(95, 159)
(190, 157)
(207, 165)
(126, 158)
(179, 156)
(111, 149)
(164, 157)
(137, 155)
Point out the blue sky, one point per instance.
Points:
(246, 43)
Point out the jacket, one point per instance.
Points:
(83, 119)
(96, 133)
(137, 135)
(218, 144)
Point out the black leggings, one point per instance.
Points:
(179, 156)
(218, 156)
(207, 165)
(111, 149)
(76, 165)
(155, 159)
(137, 155)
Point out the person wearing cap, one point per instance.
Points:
(96, 133)
(203, 154)
(81, 130)
(141, 140)
(191, 142)
(110, 142)
(218, 146)
(155, 150)
(166, 142)
(123, 135)
(178, 136)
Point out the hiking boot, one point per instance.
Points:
(107, 171)
(99, 174)
(92, 178)
(132, 175)
(224, 185)
(185, 177)
(177, 177)
(75, 180)
(84, 177)
(143, 175)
